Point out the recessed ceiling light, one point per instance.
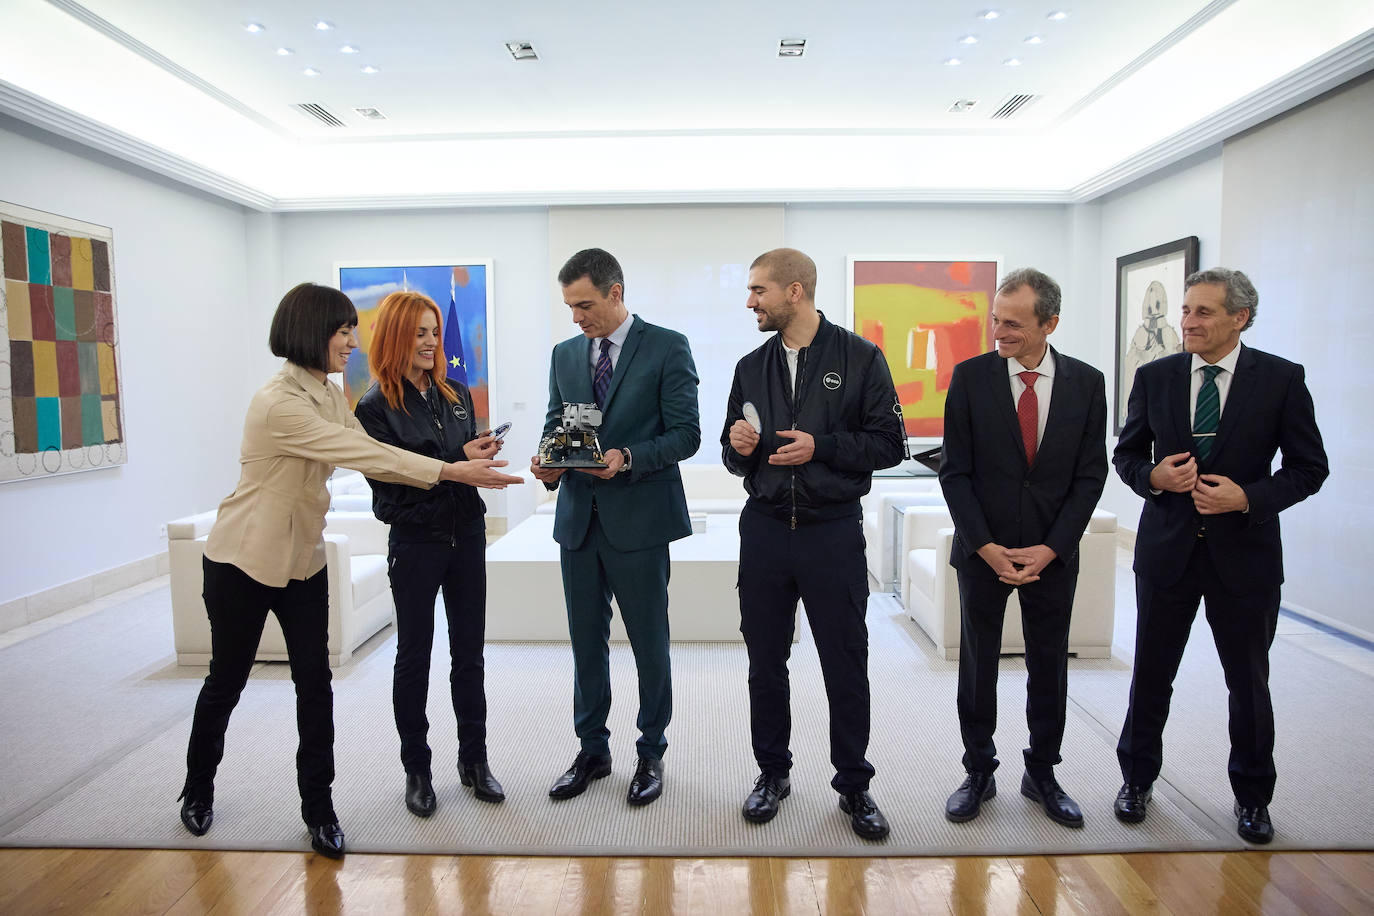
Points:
(285, 52)
(369, 70)
(969, 40)
(989, 14)
(951, 61)
(323, 26)
(254, 27)
(1012, 62)
(311, 71)
(791, 47)
(349, 49)
(372, 114)
(1056, 16)
(1034, 40)
(522, 50)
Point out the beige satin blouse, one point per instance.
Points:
(296, 431)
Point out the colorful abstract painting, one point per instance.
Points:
(462, 290)
(60, 407)
(926, 315)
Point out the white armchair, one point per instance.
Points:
(355, 547)
(930, 588)
(882, 539)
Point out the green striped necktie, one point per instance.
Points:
(1207, 414)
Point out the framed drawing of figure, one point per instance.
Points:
(1149, 299)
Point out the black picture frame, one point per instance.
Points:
(1149, 300)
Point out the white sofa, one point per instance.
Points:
(360, 604)
(930, 588)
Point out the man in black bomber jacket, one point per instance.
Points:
(812, 415)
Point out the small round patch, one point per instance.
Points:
(832, 380)
(460, 411)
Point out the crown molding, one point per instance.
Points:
(25, 106)
(1340, 65)
(1350, 60)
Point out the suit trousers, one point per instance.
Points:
(418, 570)
(1045, 613)
(823, 565)
(1243, 628)
(237, 606)
(639, 581)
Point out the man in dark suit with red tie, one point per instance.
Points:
(1025, 460)
(1202, 428)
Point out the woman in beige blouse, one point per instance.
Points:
(266, 550)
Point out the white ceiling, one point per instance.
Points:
(633, 100)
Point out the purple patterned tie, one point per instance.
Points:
(601, 382)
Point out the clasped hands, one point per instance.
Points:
(1212, 494)
(1017, 565)
(744, 440)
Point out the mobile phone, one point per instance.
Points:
(500, 431)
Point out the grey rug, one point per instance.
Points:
(96, 715)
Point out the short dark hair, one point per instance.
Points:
(786, 266)
(598, 266)
(307, 316)
(1047, 294)
(1240, 292)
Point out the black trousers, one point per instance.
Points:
(1243, 628)
(418, 570)
(237, 606)
(1045, 613)
(823, 565)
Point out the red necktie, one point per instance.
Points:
(1028, 414)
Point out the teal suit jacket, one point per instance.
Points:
(651, 409)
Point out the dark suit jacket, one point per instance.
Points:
(992, 494)
(651, 409)
(1268, 408)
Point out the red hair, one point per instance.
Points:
(393, 345)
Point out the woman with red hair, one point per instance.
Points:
(437, 540)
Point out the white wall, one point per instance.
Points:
(180, 262)
(1181, 201)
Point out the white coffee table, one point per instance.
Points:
(525, 585)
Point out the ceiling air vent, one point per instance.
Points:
(1012, 105)
(319, 113)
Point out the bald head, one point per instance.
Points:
(786, 266)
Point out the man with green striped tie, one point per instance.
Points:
(1202, 429)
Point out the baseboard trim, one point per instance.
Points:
(40, 605)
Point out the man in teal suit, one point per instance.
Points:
(614, 524)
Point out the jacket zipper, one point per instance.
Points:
(796, 412)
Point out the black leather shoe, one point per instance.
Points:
(196, 812)
(328, 840)
(584, 769)
(420, 794)
(1132, 803)
(968, 799)
(864, 816)
(484, 785)
(647, 783)
(1058, 806)
(1253, 824)
(762, 804)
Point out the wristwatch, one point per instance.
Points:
(625, 468)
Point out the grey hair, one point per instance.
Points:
(1047, 294)
(1240, 292)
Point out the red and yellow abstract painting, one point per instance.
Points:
(925, 315)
